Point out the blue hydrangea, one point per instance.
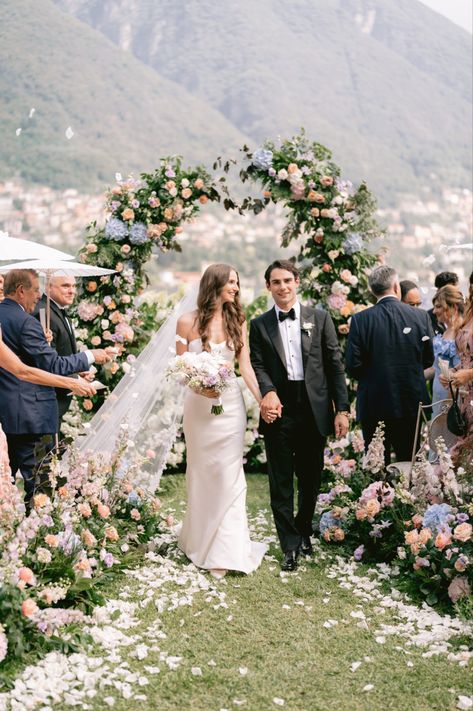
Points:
(328, 521)
(263, 159)
(139, 233)
(436, 516)
(353, 243)
(116, 229)
(133, 499)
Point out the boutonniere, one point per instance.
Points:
(307, 326)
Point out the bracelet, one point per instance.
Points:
(343, 412)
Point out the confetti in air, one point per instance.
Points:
(18, 131)
(69, 133)
(32, 113)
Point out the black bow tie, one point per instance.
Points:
(283, 315)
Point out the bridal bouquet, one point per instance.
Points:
(208, 371)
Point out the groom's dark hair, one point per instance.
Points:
(281, 264)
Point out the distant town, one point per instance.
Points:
(424, 235)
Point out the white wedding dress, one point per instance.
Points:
(214, 534)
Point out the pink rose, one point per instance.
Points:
(27, 576)
(458, 588)
(442, 540)
(135, 514)
(103, 510)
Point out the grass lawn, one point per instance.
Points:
(259, 641)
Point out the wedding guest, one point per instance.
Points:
(389, 347)
(62, 290)
(28, 411)
(462, 378)
(442, 279)
(410, 293)
(448, 309)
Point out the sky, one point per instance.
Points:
(458, 11)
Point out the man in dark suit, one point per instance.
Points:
(29, 411)
(389, 346)
(298, 365)
(62, 290)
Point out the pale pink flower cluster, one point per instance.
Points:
(373, 460)
(12, 509)
(3, 644)
(87, 311)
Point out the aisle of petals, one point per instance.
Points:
(167, 583)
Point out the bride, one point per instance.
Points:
(215, 533)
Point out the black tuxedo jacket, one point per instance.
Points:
(63, 342)
(324, 374)
(389, 345)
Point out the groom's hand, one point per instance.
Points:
(341, 424)
(270, 407)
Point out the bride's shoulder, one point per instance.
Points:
(186, 322)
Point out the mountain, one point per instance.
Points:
(387, 85)
(123, 114)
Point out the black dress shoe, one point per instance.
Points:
(306, 546)
(290, 561)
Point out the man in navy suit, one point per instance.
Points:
(389, 346)
(28, 411)
(62, 290)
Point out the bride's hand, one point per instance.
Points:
(206, 392)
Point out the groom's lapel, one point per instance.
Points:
(307, 317)
(272, 327)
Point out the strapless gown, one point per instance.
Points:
(215, 532)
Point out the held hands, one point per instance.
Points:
(104, 355)
(270, 407)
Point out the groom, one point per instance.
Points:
(298, 365)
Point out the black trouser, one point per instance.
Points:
(294, 446)
(23, 454)
(399, 436)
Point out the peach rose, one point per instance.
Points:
(63, 491)
(343, 329)
(425, 535)
(292, 168)
(361, 514)
(186, 193)
(27, 576)
(88, 538)
(128, 214)
(126, 298)
(111, 533)
(116, 190)
(170, 185)
(338, 534)
(372, 507)
(51, 540)
(411, 536)
(40, 500)
(91, 286)
(347, 309)
(319, 198)
(135, 514)
(460, 564)
(326, 180)
(96, 340)
(199, 183)
(88, 405)
(125, 249)
(442, 540)
(318, 238)
(311, 195)
(327, 267)
(203, 199)
(314, 211)
(82, 565)
(91, 248)
(85, 510)
(103, 510)
(29, 608)
(417, 520)
(463, 532)
(168, 213)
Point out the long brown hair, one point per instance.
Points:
(211, 284)
(450, 298)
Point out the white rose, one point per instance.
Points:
(105, 323)
(337, 200)
(185, 183)
(282, 174)
(353, 280)
(333, 254)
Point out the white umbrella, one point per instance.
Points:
(56, 267)
(14, 248)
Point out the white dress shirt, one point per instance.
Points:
(290, 330)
